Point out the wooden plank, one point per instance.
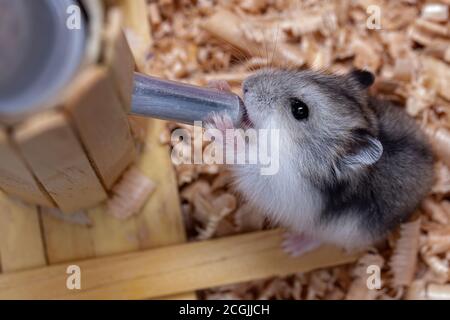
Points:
(101, 123)
(118, 58)
(107, 235)
(160, 222)
(21, 245)
(111, 235)
(65, 241)
(136, 20)
(16, 178)
(172, 270)
(181, 296)
(56, 157)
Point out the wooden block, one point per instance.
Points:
(181, 296)
(118, 58)
(111, 235)
(101, 123)
(172, 270)
(160, 222)
(56, 157)
(16, 178)
(21, 245)
(64, 241)
(136, 20)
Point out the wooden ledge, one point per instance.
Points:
(171, 270)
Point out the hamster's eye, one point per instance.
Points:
(299, 109)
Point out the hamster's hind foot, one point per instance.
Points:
(296, 244)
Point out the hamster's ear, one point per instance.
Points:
(363, 77)
(365, 150)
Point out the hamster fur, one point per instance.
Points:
(350, 172)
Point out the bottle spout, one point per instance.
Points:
(180, 102)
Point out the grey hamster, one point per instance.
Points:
(352, 167)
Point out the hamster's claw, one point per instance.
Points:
(219, 84)
(297, 245)
(220, 121)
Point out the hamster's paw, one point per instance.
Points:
(219, 84)
(296, 244)
(219, 121)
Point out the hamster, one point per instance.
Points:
(351, 167)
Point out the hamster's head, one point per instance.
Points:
(324, 120)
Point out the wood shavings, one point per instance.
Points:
(439, 72)
(301, 22)
(253, 6)
(366, 56)
(404, 259)
(438, 292)
(437, 265)
(436, 29)
(241, 35)
(130, 194)
(435, 211)
(199, 187)
(154, 14)
(219, 208)
(203, 208)
(277, 288)
(440, 138)
(435, 12)
(222, 180)
(402, 70)
(442, 183)
(421, 97)
(211, 227)
(358, 289)
(320, 283)
(248, 219)
(417, 290)
(186, 174)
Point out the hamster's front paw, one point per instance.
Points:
(220, 121)
(296, 244)
(219, 84)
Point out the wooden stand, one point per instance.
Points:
(71, 155)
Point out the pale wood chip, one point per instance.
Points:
(130, 194)
(404, 259)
